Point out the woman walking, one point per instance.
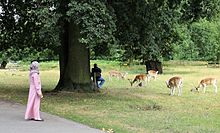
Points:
(35, 94)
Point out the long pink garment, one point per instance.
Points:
(33, 104)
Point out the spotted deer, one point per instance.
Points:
(206, 82)
(117, 74)
(152, 74)
(139, 78)
(173, 83)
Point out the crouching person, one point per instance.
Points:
(96, 74)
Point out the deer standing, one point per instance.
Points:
(173, 83)
(205, 82)
(117, 74)
(152, 74)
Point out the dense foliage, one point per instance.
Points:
(146, 28)
(123, 30)
(27, 29)
(96, 22)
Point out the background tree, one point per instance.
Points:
(21, 30)
(206, 35)
(198, 31)
(195, 9)
(146, 29)
(184, 48)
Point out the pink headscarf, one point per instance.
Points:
(34, 67)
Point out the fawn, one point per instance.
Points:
(117, 74)
(152, 73)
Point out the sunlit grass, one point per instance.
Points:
(124, 108)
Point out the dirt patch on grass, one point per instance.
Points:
(146, 107)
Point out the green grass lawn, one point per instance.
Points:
(123, 108)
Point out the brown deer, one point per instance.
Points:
(117, 74)
(173, 83)
(152, 74)
(205, 82)
(139, 78)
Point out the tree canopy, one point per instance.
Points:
(123, 30)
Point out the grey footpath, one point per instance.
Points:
(12, 121)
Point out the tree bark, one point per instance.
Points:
(74, 62)
(154, 65)
(3, 65)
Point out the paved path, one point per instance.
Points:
(12, 121)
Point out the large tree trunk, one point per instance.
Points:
(74, 62)
(3, 65)
(154, 65)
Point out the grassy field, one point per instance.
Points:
(125, 109)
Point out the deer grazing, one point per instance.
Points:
(152, 74)
(173, 83)
(117, 74)
(205, 82)
(139, 78)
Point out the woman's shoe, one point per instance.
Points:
(38, 119)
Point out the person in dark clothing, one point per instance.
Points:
(97, 71)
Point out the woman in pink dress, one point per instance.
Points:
(35, 94)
